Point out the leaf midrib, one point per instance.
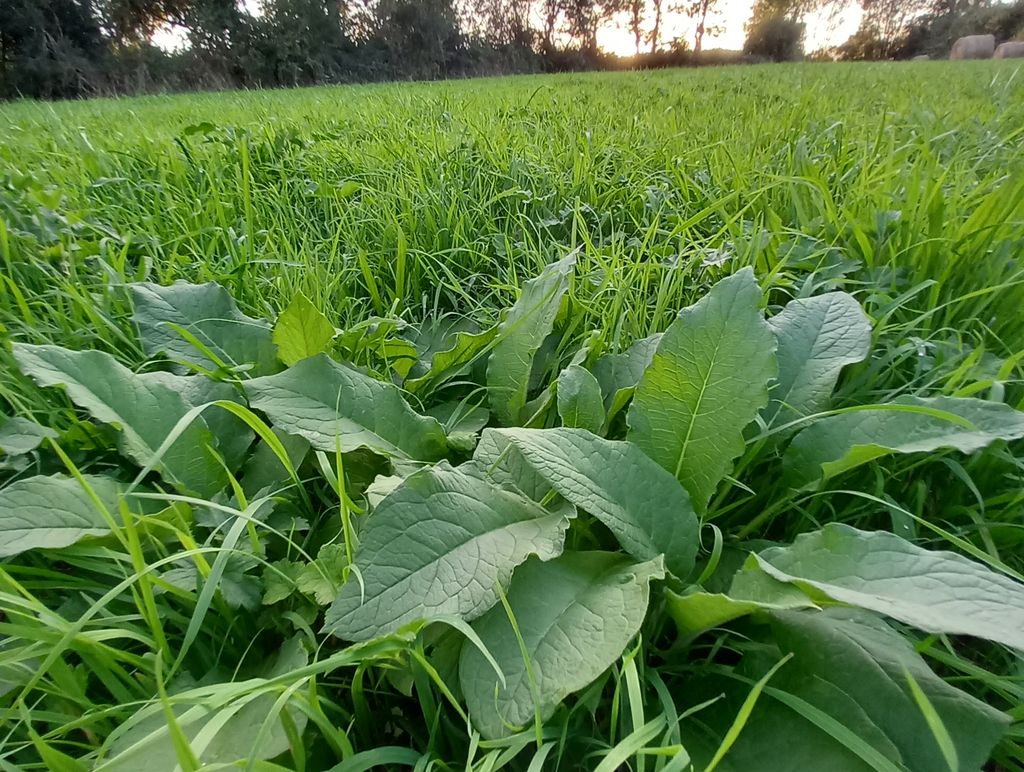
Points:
(696, 408)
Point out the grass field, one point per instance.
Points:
(194, 585)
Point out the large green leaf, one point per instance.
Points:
(776, 738)
(579, 399)
(173, 320)
(20, 435)
(439, 544)
(841, 442)
(504, 464)
(49, 512)
(301, 331)
(936, 591)
(463, 348)
(143, 408)
(619, 374)
(461, 419)
(232, 434)
(644, 506)
(842, 703)
(332, 404)
(263, 469)
(866, 659)
(224, 723)
(817, 338)
(707, 381)
(519, 337)
(434, 335)
(575, 615)
(696, 611)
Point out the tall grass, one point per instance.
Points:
(402, 199)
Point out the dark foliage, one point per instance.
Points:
(50, 48)
(70, 48)
(775, 38)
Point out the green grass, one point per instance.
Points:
(902, 184)
(456, 192)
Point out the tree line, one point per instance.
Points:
(70, 48)
(902, 29)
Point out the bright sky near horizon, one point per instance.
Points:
(823, 29)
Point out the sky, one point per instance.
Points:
(731, 15)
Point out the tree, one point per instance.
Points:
(585, 17)
(775, 38)
(50, 48)
(499, 22)
(361, 19)
(551, 11)
(299, 41)
(794, 10)
(655, 34)
(958, 7)
(882, 28)
(214, 27)
(698, 11)
(421, 37)
(636, 21)
(135, 21)
(582, 19)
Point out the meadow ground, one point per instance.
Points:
(393, 206)
(409, 197)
